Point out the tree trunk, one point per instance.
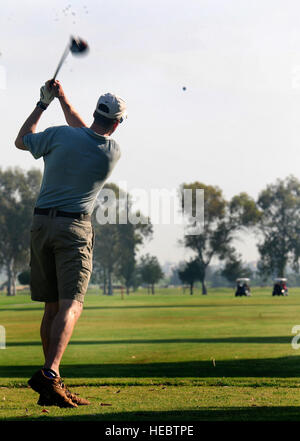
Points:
(191, 288)
(204, 290)
(104, 287)
(127, 289)
(8, 286)
(110, 290)
(11, 279)
(152, 288)
(14, 279)
(104, 284)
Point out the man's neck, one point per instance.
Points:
(99, 130)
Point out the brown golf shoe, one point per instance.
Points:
(44, 401)
(51, 389)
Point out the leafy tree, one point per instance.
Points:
(117, 243)
(190, 273)
(279, 227)
(234, 269)
(106, 253)
(18, 193)
(99, 275)
(174, 277)
(136, 278)
(150, 270)
(215, 278)
(106, 249)
(222, 221)
(131, 237)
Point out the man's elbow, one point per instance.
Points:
(19, 144)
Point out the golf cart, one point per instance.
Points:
(280, 288)
(242, 287)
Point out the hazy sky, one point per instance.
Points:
(235, 126)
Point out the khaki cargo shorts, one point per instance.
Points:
(61, 258)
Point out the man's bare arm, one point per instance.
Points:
(29, 126)
(72, 117)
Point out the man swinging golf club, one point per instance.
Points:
(77, 162)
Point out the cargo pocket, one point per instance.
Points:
(84, 274)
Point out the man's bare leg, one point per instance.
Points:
(61, 331)
(51, 309)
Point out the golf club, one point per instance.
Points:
(76, 46)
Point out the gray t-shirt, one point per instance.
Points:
(77, 163)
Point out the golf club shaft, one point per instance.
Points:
(64, 56)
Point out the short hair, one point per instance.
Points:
(106, 123)
(103, 121)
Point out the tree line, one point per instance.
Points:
(274, 217)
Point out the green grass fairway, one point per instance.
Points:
(167, 357)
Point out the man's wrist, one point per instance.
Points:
(62, 98)
(42, 105)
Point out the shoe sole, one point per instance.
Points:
(51, 403)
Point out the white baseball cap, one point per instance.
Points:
(111, 106)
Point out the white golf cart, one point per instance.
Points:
(242, 287)
(280, 288)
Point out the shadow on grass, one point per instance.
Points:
(185, 305)
(280, 413)
(243, 340)
(105, 308)
(283, 367)
(209, 414)
(30, 308)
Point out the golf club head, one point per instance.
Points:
(78, 46)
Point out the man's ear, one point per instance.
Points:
(115, 126)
